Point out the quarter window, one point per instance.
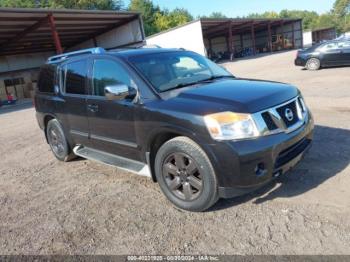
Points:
(75, 73)
(108, 73)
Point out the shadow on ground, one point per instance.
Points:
(16, 107)
(329, 155)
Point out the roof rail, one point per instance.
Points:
(57, 58)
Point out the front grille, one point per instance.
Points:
(285, 117)
(291, 152)
(269, 122)
(282, 112)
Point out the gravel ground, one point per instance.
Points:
(82, 207)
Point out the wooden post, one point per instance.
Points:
(293, 36)
(95, 42)
(241, 39)
(210, 44)
(302, 34)
(230, 39)
(282, 33)
(253, 39)
(55, 35)
(269, 36)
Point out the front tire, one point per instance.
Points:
(57, 141)
(313, 64)
(185, 175)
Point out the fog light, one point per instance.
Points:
(260, 169)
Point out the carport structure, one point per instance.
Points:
(233, 37)
(41, 30)
(29, 36)
(261, 35)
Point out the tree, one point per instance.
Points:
(268, 14)
(309, 17)
(155, 19)
(149, 14)
(80, 4)
(341, 13)
(217, 15)
(341, 8)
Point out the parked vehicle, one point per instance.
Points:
(173, 115)
(326, 54)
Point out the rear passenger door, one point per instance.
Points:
(345, 48)
(332, 54)
(74, 92)
(112, 127)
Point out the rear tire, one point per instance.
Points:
(58, 142)
(313, 64)
(185, 175)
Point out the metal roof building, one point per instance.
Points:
(29, 36)
(234, 36)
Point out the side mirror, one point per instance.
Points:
(119, 92)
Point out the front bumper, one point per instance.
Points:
(244, 166)
(299, 61)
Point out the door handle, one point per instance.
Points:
(93, 108)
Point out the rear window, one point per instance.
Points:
(47, 79)
(74, 82)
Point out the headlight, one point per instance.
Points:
(231, 126)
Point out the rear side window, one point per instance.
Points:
(75, 75)
(47, 79)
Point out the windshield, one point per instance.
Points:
(170, 70)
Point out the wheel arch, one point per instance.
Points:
(47, 118)
(158, 138)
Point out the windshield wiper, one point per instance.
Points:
(216, 77)
(180, 85)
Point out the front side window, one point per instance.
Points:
(330, 46)
(75, 75)
(170, 70)
(108, 73)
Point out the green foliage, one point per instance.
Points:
(155, 19)
(341, 14)
(216, 15)
(339, 17)
(268, 14)
(78, 4)
(149, 14)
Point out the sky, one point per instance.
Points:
(234, 8)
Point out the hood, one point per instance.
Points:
(240, 95)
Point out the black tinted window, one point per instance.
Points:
(75, 77)
(108, 73)
(47, 79)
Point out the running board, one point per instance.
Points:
(133, 166)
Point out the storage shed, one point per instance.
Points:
(234, 37)
(29, 36)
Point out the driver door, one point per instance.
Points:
(112, 127)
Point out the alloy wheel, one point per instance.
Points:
(182, 176)
(56, 141)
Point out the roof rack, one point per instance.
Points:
(57, 58)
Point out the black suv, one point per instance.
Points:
(175, 116)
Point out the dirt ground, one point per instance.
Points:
(82, 207)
